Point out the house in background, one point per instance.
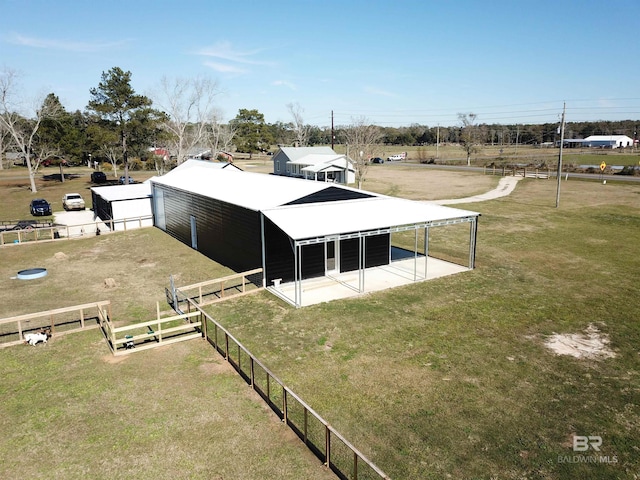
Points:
(295, 229)
(314, 163)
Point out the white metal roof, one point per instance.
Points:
(114, 193)
(255, 191)
(333, 218)
(324, 163)
(322, 167)
(315, 159)
(597, 138)
(269, 194)
(295, 153)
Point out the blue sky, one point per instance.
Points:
(392, 62)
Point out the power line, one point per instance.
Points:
(579, 110)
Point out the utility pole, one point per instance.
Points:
(559, 174)
(333, 135)
(437, 141)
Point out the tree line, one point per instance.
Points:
(179, 119)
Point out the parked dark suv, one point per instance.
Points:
(40, 207)
(98, 177)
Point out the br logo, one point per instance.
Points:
(582, 443)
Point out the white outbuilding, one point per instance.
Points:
(609, 141)
(123, 207)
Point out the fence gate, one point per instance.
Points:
(172, 296)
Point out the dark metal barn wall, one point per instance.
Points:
(376, 252)
(280, 260)
(228, 234)
(313, 260)
(278, 254)
(102, 208)
(176, 206)
(349, 250)
(234, 237)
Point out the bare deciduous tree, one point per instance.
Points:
(4, 143)
(220, 136)
(363, 142)
(469, 137)
(23, 127)
(189, 104)
(299, 128)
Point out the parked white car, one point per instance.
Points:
(73, 201)
(398, 157)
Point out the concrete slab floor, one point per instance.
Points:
(346, 285)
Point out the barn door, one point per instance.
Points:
(194, 233)
(332, 256)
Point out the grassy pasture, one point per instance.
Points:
(450, 378)
(444, 379)
(509, 154)
(72, 410)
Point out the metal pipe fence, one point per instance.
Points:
(517, 172)
(335, 451)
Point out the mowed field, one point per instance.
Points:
(445, 379)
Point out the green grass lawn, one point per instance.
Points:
(451, 377)
(509, 154)
(71, 410)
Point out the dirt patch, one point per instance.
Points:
(216, 367)
(591, 344)
(112, 359)
(415, 183)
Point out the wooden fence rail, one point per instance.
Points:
(66, 232)
(61, 321)
(337, 453)
(224, 287)
(151, 334)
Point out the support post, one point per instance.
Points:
(284, 405)
(327, 445)
(268, 388)
(559, 173)
(355, 466)
(306, 423)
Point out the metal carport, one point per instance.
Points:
(323, 222)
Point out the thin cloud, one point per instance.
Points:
(284, 83)
(224, 68)
(226, 51)
(54, 44)
(379, 92)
